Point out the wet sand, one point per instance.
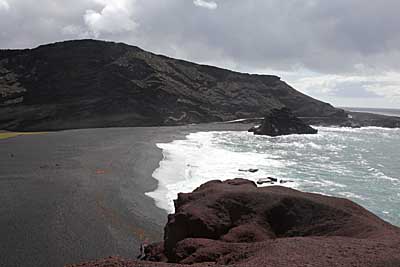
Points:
(78, 195)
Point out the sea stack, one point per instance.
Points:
(282, 122)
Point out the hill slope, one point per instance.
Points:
(88, 83)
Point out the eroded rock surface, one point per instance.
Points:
(282, 122)
(236, 223)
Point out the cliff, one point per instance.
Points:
(88, 83)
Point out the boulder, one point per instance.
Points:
(248, 170)
(268, 180)
(213, 223)
(237, 223)
(282, 122)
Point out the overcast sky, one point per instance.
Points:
(346, 52)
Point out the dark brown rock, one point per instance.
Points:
(282, 122)
(235, 222)
(209, 223)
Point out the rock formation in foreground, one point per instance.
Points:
(89, 83)
(236, 223)
(282, 122)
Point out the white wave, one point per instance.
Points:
(331, 183)
(323, 183)
(339, 161)
(191, 162)
(338, 129)
(380, 175)
(352, 195)
(355, 130)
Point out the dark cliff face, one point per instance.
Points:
(87, 83)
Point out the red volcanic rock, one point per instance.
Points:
(237, 211)
(235, 222)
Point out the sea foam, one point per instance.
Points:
(360, 164)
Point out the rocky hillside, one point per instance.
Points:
(88, 83)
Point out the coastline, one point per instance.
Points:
(322, 164)
(69, 196)
(78, 195)
(377, 111)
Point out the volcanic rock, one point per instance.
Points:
(235, 222)
(219, 215)
(89, 83)
(248, 170)
(282, 122)
(268, 180)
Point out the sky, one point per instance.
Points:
(345, 52)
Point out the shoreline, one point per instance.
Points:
(78, 195)
(188, 158)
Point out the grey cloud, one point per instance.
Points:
(4, 5)
(114, 17)
(354, 90)
(205, 4)
(323, 36)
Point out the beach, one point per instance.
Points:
(78, 195)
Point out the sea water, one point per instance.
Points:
(360, 164)
(380, 111)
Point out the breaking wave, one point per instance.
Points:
(360, 164)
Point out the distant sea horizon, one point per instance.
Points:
(380, 111)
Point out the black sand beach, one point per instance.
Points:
(78, 195)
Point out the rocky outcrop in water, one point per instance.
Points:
(282, 122)
(88, 83)
(235, 222)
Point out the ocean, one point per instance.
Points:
(360, 164)
(380, 111)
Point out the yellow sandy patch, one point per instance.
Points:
(5, 135)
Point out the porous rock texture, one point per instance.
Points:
(236, 223)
